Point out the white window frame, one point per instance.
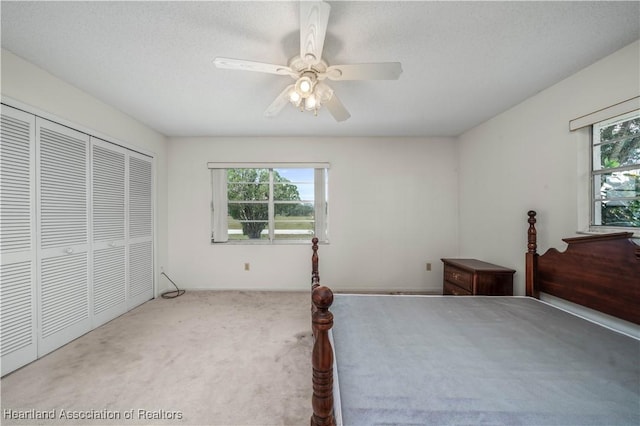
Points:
(595, 142)
(219, 202)
(582, 134)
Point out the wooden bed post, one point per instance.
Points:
(315, 277)
(531, 257)
(322, 358)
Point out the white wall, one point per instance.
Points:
(392, 208)
(523, 159)
(40, 91)
(526, 158)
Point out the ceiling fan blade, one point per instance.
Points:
(335, 107)
(314, 16)
(375, 71)
(280, 102)
(241, 64)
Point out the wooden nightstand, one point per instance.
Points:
(475, 277)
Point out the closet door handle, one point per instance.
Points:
(69, 250)
(112, 244)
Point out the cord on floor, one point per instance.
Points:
(172, 294)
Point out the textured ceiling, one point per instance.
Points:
(463, 62)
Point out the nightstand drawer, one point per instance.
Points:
(454, 290)
(459, 277)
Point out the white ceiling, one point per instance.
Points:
(463, 62)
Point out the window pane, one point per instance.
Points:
(623, 152)
(293, 230)
(248, 175)
(233, 224)
(249, 211)
(620, 129)
(296, 175)
(248, 191)
(293, 184)
(240, 230)
(623, 184)
(293, 191)
(617, 213)
(285, 192)
(294, 210)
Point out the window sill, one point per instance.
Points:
(268, 243)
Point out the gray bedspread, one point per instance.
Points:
(480, 360)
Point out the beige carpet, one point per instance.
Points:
(205, 358)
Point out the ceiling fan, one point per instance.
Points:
(309, 70)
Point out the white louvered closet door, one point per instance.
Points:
(17, 239)
(108, 219)
(63, 222)
(140, 227)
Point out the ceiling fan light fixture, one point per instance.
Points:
(305, 84)
(311, 103)
(294, 97)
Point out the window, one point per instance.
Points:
(615, 172)
(268, 203)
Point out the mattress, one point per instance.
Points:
(479, 360)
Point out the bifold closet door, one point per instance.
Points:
(108, 219)
(18, 239)
(63, 222)
(140, 227)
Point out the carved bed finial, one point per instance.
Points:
(322, 358)
(532, 244)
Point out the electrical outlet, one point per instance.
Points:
(247, 266)
(428, 266)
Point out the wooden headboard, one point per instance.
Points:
(601, 272)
